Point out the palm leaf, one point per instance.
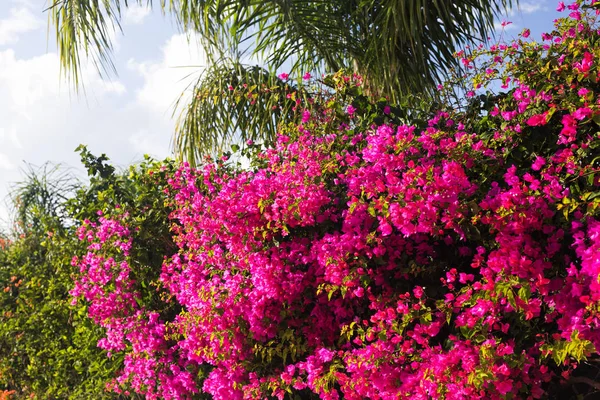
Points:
(232, 102)
(42, 194)
(83, 31)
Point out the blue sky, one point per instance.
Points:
(42, 119)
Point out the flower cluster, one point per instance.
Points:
(454, 259)
(105, 282)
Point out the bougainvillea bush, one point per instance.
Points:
(366, 256)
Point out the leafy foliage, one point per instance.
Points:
(250, 100)
(49, 347)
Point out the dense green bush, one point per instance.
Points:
(48, 347)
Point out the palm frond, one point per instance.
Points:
(410, 45)
(232, 102)
(41, 194)
(83, 32)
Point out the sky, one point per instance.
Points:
(42, 119)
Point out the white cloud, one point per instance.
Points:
(37, 80)
(5, 162)
(164, 81)
(146, 142)
(528, 7)
(135, 14)
(20, 20)
(42, 119)
(11, 134)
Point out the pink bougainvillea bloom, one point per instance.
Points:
(305, 116)
(569, 130)
(586, 64)
(418, 292)
(318, 237)
(538, 163)
(307, 76)
(582, 113)
(283, 76)
(505, 386)
(537, 120)
(561, 6)
(508, 115)
(526, 33)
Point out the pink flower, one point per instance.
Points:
(305, 116)
(505, 386)
(464, 278)
(418, 292)
(386, 110)
(283, 76)
(582, 113)
(385, 228)
(561, 6)
(586, 63)
(325, 355)
(307, 76)
(350, 109)
(537, 120)
(508, 115)
(569, 130)
(538, 163)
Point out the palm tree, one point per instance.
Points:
(398, 46)
(41, 197)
